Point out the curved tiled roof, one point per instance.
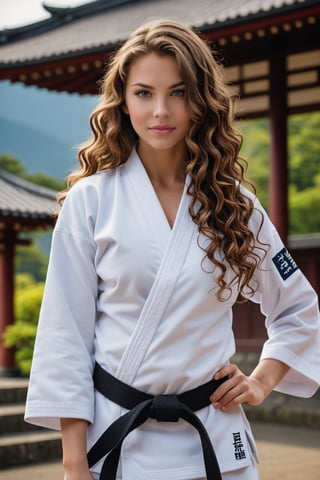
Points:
(23, 200)
(102, 24)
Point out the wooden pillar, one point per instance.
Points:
(278, 183)
(7, 245)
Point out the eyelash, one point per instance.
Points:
(174, 93)
(142, 93)
(180, 93)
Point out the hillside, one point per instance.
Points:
(37, 151)
(43, 128)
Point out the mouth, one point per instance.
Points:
(161, 129)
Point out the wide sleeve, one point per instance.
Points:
(291, 309)
(60, 383)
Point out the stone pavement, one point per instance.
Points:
(286, 452)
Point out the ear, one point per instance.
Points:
(125, 109)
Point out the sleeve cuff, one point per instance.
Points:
(48, 415)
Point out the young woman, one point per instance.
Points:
(155, 242)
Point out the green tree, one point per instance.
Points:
(32, 260)
(304, 150)
(14, 166)
(21, 334)
(255, 150)
(23, 280)
(11, 165)
(304, 167)
(305, 208)
(44, 180)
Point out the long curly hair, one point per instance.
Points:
(218, 204)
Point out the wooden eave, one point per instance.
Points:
(20, 224)
(25, 206)
(250, 40)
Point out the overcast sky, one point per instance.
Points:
(14, 13)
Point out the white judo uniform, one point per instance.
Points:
(127, 291)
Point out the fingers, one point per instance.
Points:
(233, 391)
(229, 370)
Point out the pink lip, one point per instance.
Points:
(161, 129)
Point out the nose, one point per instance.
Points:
(161, 109)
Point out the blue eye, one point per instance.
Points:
(178, 93)
(143, 93)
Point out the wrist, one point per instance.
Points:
(74, 445)
(268, 373)
(75, 464)
(261, 387)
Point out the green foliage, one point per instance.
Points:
(14, 166)
(23, 280)
(11, 165)
(304, 150)
(304, 167)
(255, 150)
(305, 209)
(30, 265)
(41, 179)
(21, 334)
(31, 259)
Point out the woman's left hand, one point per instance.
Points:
(238, 389)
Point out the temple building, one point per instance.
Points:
(24, 207)
(270, 50)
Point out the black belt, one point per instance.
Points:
(141, 406)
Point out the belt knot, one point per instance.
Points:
(165, 408)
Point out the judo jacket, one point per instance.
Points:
(127, 291)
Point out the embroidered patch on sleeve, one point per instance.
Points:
(284, 263)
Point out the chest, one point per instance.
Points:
(169, 199)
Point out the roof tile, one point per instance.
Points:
(113, 25)
(19, 198)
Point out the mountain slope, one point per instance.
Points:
(38, 151)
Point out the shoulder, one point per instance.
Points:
(250, 197)
(89, 190)
(95, 182)
(248, 194)
(85, 198)
(259, 218)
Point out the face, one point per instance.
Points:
(154, 100)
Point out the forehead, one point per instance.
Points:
(154, 67)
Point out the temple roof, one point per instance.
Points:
(68, 51)
(25, 204)
(103, 24)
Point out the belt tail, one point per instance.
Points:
(111, 440)
(209, 457)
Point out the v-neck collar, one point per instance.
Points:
(149, 200)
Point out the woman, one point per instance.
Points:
(155, 242)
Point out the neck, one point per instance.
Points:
(163, 166)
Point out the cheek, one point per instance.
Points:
(185, 118)
(183, 112)
(136, 112)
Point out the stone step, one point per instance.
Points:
(13, 390)
(287, 410)
(29, 448)
(12, 420)
(23, 444)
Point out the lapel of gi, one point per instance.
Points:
(160, 293)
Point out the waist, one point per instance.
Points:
(129, 397)
(141, 406)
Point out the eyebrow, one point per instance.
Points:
(144, 85)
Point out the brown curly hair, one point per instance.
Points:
(218, 205)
